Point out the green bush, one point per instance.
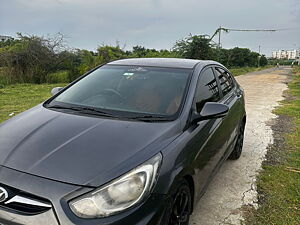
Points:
(58, 77)
(33, 59)
(4, 80)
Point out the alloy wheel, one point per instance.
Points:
(181, 207)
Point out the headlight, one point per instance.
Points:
(120, 194)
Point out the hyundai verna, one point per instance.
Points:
(132, 142)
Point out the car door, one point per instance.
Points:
(206, 142)
(231, 98)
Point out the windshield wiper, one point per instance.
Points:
(150, 118)
(88, 110)
(92, 110)
(63, 107)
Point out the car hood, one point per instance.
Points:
(78, 149)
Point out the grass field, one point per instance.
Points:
(19, 97)
(279, 182)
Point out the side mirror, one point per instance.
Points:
(210, 110)
(55, 90)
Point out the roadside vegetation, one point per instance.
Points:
(34, 59)
(242, 70)
(279, 181)
(17, 98)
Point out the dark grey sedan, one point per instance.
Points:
(132, 142)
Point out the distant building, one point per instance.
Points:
(286, 54)
(5, 38)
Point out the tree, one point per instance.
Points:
(263, 61)
(108, 53)
(240, 57)
(139, 51)
(8, 42)
(31, 58)
(87, 60)
(253, 57)
(194, 47)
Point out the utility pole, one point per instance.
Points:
(219, 44)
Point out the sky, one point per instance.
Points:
(155, 23)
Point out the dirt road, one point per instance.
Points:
(234, 185)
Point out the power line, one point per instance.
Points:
(263, 30)
(227, 30)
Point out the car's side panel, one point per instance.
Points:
(200, 150)
(206, 145)
(231, 122)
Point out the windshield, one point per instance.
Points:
(129, 89)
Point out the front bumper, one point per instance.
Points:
(46, 218)
(149, 212)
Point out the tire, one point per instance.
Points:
(182, 198)
(237, 151)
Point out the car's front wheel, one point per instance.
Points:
(181, 205)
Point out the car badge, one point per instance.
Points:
(3, 194)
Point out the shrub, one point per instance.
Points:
(58, 77)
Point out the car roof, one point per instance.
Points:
(162, 62)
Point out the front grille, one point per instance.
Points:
(23, 202)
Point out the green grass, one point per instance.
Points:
(3, 79)
(20, 97)
(279, 184)
(243, 70)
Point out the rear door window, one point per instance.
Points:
(226, 80)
